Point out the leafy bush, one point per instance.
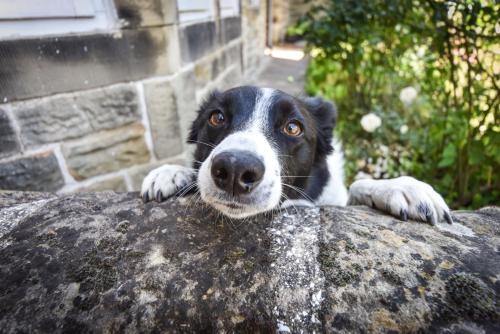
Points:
(428, 71)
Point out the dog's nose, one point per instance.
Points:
(237, 172)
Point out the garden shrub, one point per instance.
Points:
(417, 84)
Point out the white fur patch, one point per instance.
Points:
(167, 179)
(334, 192)
(261, 110)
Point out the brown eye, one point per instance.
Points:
(293, 129)
(217, 118)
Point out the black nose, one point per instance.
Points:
(237, 172)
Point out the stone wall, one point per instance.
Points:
(97, 112)
(108, 263)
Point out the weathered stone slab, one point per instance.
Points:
(69, 116)
(38, 172)
(210, 67)
(162, 105)
(8, 139)
(50, 120)
(197, 40)
(231, 77)
(110, 107)
(84, 61)
(140, 13)
(187, 106)
(107, 262)
(106, 151)
(230, 28)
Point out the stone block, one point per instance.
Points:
(197, 40)
(76, 62)
(233, 54)
(138, 173)
(187, 105)
(110, 107)
(106, 151)
(70, 116)
(114, 184)
(141, 13)
(210, 67)
(39, 172)
(8, 139)
(230, 55)
(231, 77)
(162, 105)
(230, 28)
(203, 70)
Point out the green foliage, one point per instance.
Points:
(430, 71)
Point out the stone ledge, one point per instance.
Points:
(106, 262)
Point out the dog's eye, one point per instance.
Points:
(293, 129)
(217, 118)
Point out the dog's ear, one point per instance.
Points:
(325, 116)
(197, 124)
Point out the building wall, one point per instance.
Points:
(98, 111)
(286, 13)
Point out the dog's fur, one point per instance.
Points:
(248, 164)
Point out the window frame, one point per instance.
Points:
(60, 18)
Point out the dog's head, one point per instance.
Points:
(258, 146)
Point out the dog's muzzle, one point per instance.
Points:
(237, 172)
(241, 176)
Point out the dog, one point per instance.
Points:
(258, 149)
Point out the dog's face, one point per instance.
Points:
(259, 146)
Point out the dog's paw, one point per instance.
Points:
(166, 181)
(403, 197)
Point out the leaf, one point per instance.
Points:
(476, 153)
(449, 156)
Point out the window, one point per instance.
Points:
(195, 10)
(229, 8)
(31, 18)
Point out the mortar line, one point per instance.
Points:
(145, 120)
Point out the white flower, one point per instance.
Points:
(403, 129)
(370, 122)
(408, 95)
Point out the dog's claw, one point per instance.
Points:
(431, 219)
(159, 197)
(448, 218)
(403, 215)
(145, 197)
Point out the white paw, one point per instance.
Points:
(403, 197)
(166, 181)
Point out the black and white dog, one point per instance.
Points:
(260, 148)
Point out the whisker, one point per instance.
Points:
(300, 191)
(288, 199)
(297, 176)
(184, 190)
(203, 143)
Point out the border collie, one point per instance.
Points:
(259, 148)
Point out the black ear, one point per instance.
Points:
(197, 124)
(325, 117)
